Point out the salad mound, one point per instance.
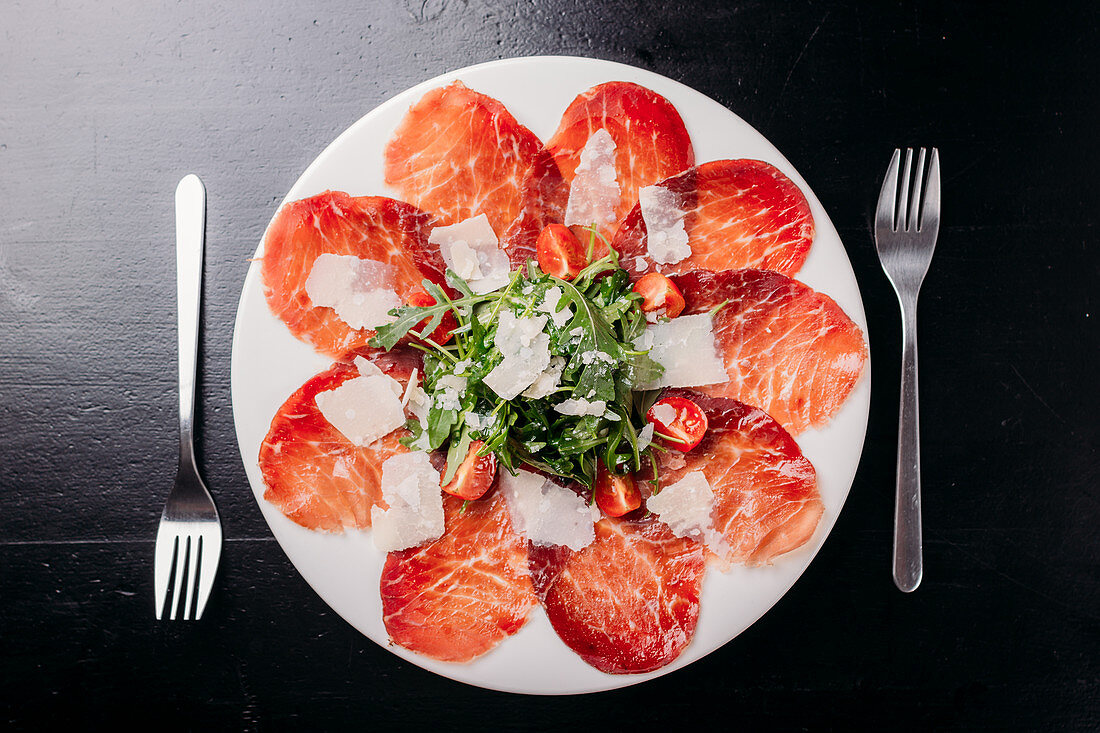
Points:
(543, 373)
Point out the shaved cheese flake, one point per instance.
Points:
(419, 404)
(685, 507)
(548, 514)
(663, 413)
(363, 409)
(666, 237)
(526, 350)
(410, 387)
(547, 381)
(359, 290)
(550, 304)
(594, 193)
(480, 423)
(581, 406)
(685, 347)
(472, 250)
(410, 487)
(368, 368)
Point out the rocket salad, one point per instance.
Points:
(580, 409)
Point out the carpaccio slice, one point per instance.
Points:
(627, 603)
(737, 213)
(651, 142)
(459, 153)
(766, 500)
(544, 195)
(371, 227)
(313, 474)
(788, 349)
(458, 597)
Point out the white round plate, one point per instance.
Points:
(269, 365)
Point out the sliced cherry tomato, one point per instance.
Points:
(616, 495)
(442, 334)
(679, 418)
(560, 252)
(475, 475)
(659, 295)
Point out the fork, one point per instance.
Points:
(189, 537)
(907, 222)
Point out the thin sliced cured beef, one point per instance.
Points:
(458, 597)
(737, 214)
(371, 227)
(651, 142)
(627, 603)
(766, 501)
(315, 475)
(544, 195)
(459, 153)
(788, 349)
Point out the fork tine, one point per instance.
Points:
(915, 198)
(162, 565)
(884, 215)
(902, 224)
(211, 553)
(192, 573)
(184, 544)
(930, 214)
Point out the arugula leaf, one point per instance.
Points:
(642, 369)
(456, 453)
(440, 423)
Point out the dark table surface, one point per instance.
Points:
(104, 106)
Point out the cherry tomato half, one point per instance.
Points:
(442, 333)
(659, 295)
(475, 475)
(679, 418)
(560, 252)
(616, 495)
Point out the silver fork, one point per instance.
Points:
(189, 538)
(907, 222)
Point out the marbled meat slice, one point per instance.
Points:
(651, 142)
(544, 194)
(627, 603)
(738, 214)
(313, 474)
(458, 597)
(788, 349)
(370, 227)
(459, 153)
(766, 500)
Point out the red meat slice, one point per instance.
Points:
(788, 349)
(458, 153)
(651, 142)
(765, 491)
(371, 227)
(458, 597)
(544, 194)
(627, 603)
(313, 474)
(740, 214)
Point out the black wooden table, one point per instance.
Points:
(103, 107)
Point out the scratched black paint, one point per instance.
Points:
(103, 107)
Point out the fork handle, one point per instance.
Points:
(908, 560)
(190, 227)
